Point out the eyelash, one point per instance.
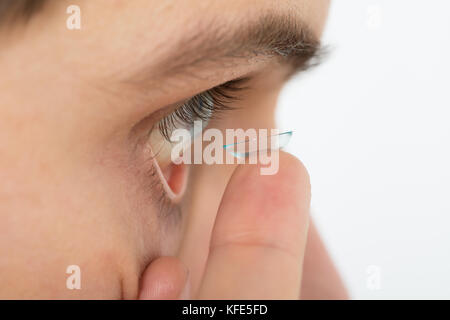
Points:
(204, 106)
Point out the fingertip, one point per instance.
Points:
(265, 208)
(291, 175)
(259, 236)
(165, 278)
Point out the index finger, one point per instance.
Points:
(259, 236)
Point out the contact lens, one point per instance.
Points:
(248, 147)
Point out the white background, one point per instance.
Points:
(372, 125)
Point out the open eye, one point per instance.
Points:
(204, 106)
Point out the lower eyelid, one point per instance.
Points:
(174, 184)
(166, 209)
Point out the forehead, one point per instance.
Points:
(156, 19)
(115, 28)
(117, 36)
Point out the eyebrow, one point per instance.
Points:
(280, 36)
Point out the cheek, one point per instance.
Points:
(155, 215)
(149, 222)
(56, 225)
(91, 212)
(118, 212)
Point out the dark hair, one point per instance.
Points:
(19, 9)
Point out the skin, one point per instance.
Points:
(75, 188)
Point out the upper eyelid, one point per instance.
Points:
(221, 96)
(141, 131)
(232, 85)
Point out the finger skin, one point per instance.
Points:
(164, 278)
(321, 280)
(259, 236)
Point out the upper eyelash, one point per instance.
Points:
(204, 106)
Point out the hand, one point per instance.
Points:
(257, 245)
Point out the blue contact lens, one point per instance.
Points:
(251, 146)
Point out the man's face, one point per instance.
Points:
(83, 182)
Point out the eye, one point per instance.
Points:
(204, 106)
